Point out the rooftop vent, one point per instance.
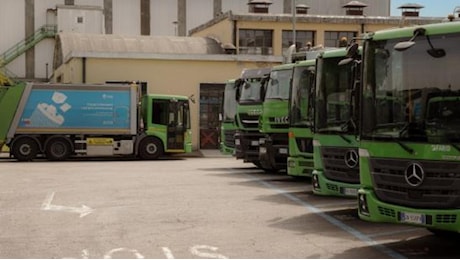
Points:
(302, 9)
(410, 9)
(259, 6)
(354, 8)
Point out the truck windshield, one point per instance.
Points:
(229, 108)
(411, 95)
(251, 90)
(300, 113)
(278, 85)
(333, 96)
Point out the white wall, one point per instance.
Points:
(12, 23)
(162, 15)
(199, 12)
(126, 17)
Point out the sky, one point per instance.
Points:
(432, 8)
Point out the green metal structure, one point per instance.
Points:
(46, 31)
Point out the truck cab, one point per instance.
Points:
(410, 128)
(250, 90)
(228, 124)
(274, 120)
(301, 97)
(335, 143)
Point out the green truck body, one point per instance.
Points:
(57, 121)
(410, 127)
(300, 160)
(250, 88)
(228, 125)
(274, 120)
(336, 164)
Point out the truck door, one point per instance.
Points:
(177, 124)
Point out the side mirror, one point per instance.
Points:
(402, 46)
(352, 54)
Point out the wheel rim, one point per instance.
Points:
(151, 148)
(58, 149)
(25, 149)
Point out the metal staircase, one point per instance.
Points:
(46, 31)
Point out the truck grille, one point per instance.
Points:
(229, 138)
(305, 145)
(335, 166)
(438, 188)
(249, 121)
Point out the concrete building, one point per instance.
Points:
(21, 19)
(93, 41)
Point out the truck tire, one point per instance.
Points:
(24, 149)
(150, 148)
(58, 149)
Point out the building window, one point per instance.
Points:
(332, 38)
(256, 42)
(80, 19)
(301, 38)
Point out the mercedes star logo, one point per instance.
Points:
(414, 175)
(351, 158)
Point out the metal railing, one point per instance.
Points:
(46, 31)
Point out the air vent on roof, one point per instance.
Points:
(259, 6)
(354, 8)
(411, 9)
(302, 9)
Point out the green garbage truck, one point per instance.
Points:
(410, 127)
(228, 125)
(58, 121)
(300, 160)
(274, 120)
(335, 143)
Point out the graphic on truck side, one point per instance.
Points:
(76, 109)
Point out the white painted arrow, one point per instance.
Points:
(46, 205)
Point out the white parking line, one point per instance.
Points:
(332, 220)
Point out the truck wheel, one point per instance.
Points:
(150, 148)
(58, 149)
(25, 149)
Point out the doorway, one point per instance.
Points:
(211, 96)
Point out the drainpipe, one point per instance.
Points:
(83, 69)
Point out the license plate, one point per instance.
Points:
(413, 218)
(262, 150)
(283, 151)
(350, 192)
(254, 143)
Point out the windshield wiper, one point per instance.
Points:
(347, 124)
(345, 138)
(404, 129)
(405, 147)
(396, 140)
(335, 130)
(456, 147)
(277, 98)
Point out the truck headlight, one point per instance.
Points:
(362, 204)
